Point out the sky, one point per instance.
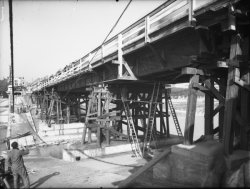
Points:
(49, 34)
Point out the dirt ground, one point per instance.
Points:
(106, 172)
(48, 172)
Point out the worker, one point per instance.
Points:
(15, 161)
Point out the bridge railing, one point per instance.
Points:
(139, 32)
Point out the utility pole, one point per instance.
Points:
(12, 54)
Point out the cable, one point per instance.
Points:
(116, 23)
(102, 43)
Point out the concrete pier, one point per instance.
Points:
(200, 165)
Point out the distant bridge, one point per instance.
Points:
(200, 42)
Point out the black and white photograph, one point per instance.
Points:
(124, 93)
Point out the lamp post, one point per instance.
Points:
(12, 54)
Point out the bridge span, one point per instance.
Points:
(121, 87)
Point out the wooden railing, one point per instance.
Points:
(169, 12)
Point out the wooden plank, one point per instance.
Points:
(133, 177)
(191, 109)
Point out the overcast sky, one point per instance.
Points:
(49, 34)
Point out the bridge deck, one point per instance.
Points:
(161, 32)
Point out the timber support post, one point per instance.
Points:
(209, 106)
(231, 96)
(191, 110)
(68, 113)
(167, 92)
(222, 90)
(124, 95)
(191, 103)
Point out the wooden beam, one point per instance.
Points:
(221, 82)
(162, 123)
(245, 113)
(209, 106)
(68, 113)
(191, 109)
(216, 130)
(115, 62)
(89, 135)
(107, 123)
(214, 90)
(167, 115)
(120, 56)
(112, 130)
(157, 55)
(133, 177)
(129, 70)
(205, 43)
(79, 108)
(230, 105)
(242, 122)
(57, 112)
(98, 136)
(222, 64)
(200, 87)
(222, 90)
(88, 106)
(231, 96)
(192, 71)
(242, 83)
(218, 108)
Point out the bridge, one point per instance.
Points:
(205, 43)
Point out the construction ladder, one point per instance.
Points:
(176, 122)
(132, 134)
(151, 117)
